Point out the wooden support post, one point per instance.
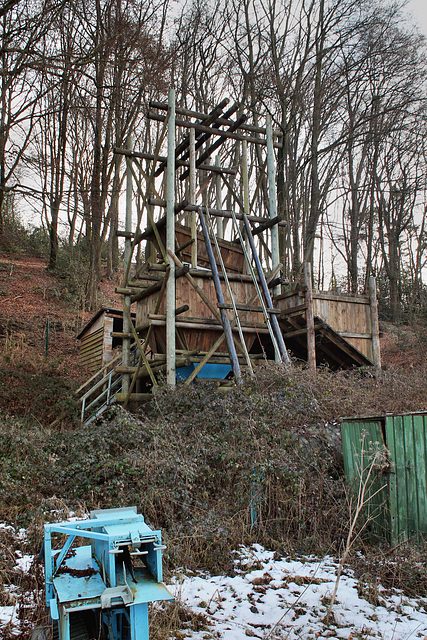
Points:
(218, 199)
(271, 175)
(309, 315)
(375, 327)
(193, 214)
(142, 352)
(245, 181)
(127, 258)
(170, 245)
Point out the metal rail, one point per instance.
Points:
(93, 403)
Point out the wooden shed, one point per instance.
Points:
(398, 489)
(96, 340)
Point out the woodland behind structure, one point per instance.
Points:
(210, 294)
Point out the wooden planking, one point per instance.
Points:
(91, 338)
(287, 302)
(200, 335)
(231, 252)
(340, 297)
(406, 438)
(91, 350)
(411, 516)
(420, 458)
(347, 315)
(404, 515)
(343, 315)
(398, 489)
(186, 294)
(364, 345)
(367, 434)
(392, 482)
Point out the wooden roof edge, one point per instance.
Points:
(97, 315)
(383, 416)
(328, 295)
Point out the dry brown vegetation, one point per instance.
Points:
(212, 470)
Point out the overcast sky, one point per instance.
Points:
(418, 9)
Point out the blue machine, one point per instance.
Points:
(103, 589)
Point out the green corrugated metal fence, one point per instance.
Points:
(399, 509)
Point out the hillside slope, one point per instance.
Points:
(261, 463)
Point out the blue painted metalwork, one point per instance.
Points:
(209, 371)
(114, 577)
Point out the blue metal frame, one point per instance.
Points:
(99, 577)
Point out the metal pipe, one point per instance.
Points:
(265, 290)
(224, 317)
(230, 293)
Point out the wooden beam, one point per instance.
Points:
(375, 327)
(179, 163)
(133, 397)
(213, 131)
(309, 315)
(203, 116)
(247, 307)
(294, 311)
(145, 293)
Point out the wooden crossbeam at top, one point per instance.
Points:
(213, 131)
(203, 116)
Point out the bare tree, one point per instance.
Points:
(22, 55)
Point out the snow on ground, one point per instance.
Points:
(8, 617)
(277, 598)
(272, 598)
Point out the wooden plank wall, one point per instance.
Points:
(186, 294)
(91, 350)
(402, 507)
(231, 252)
(367, 435)
(407, 442)
(198, 312)
(348, 316)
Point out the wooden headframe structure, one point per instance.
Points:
(208, 291)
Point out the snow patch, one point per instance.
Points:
(276, 598)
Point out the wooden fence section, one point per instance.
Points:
(340, 321)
